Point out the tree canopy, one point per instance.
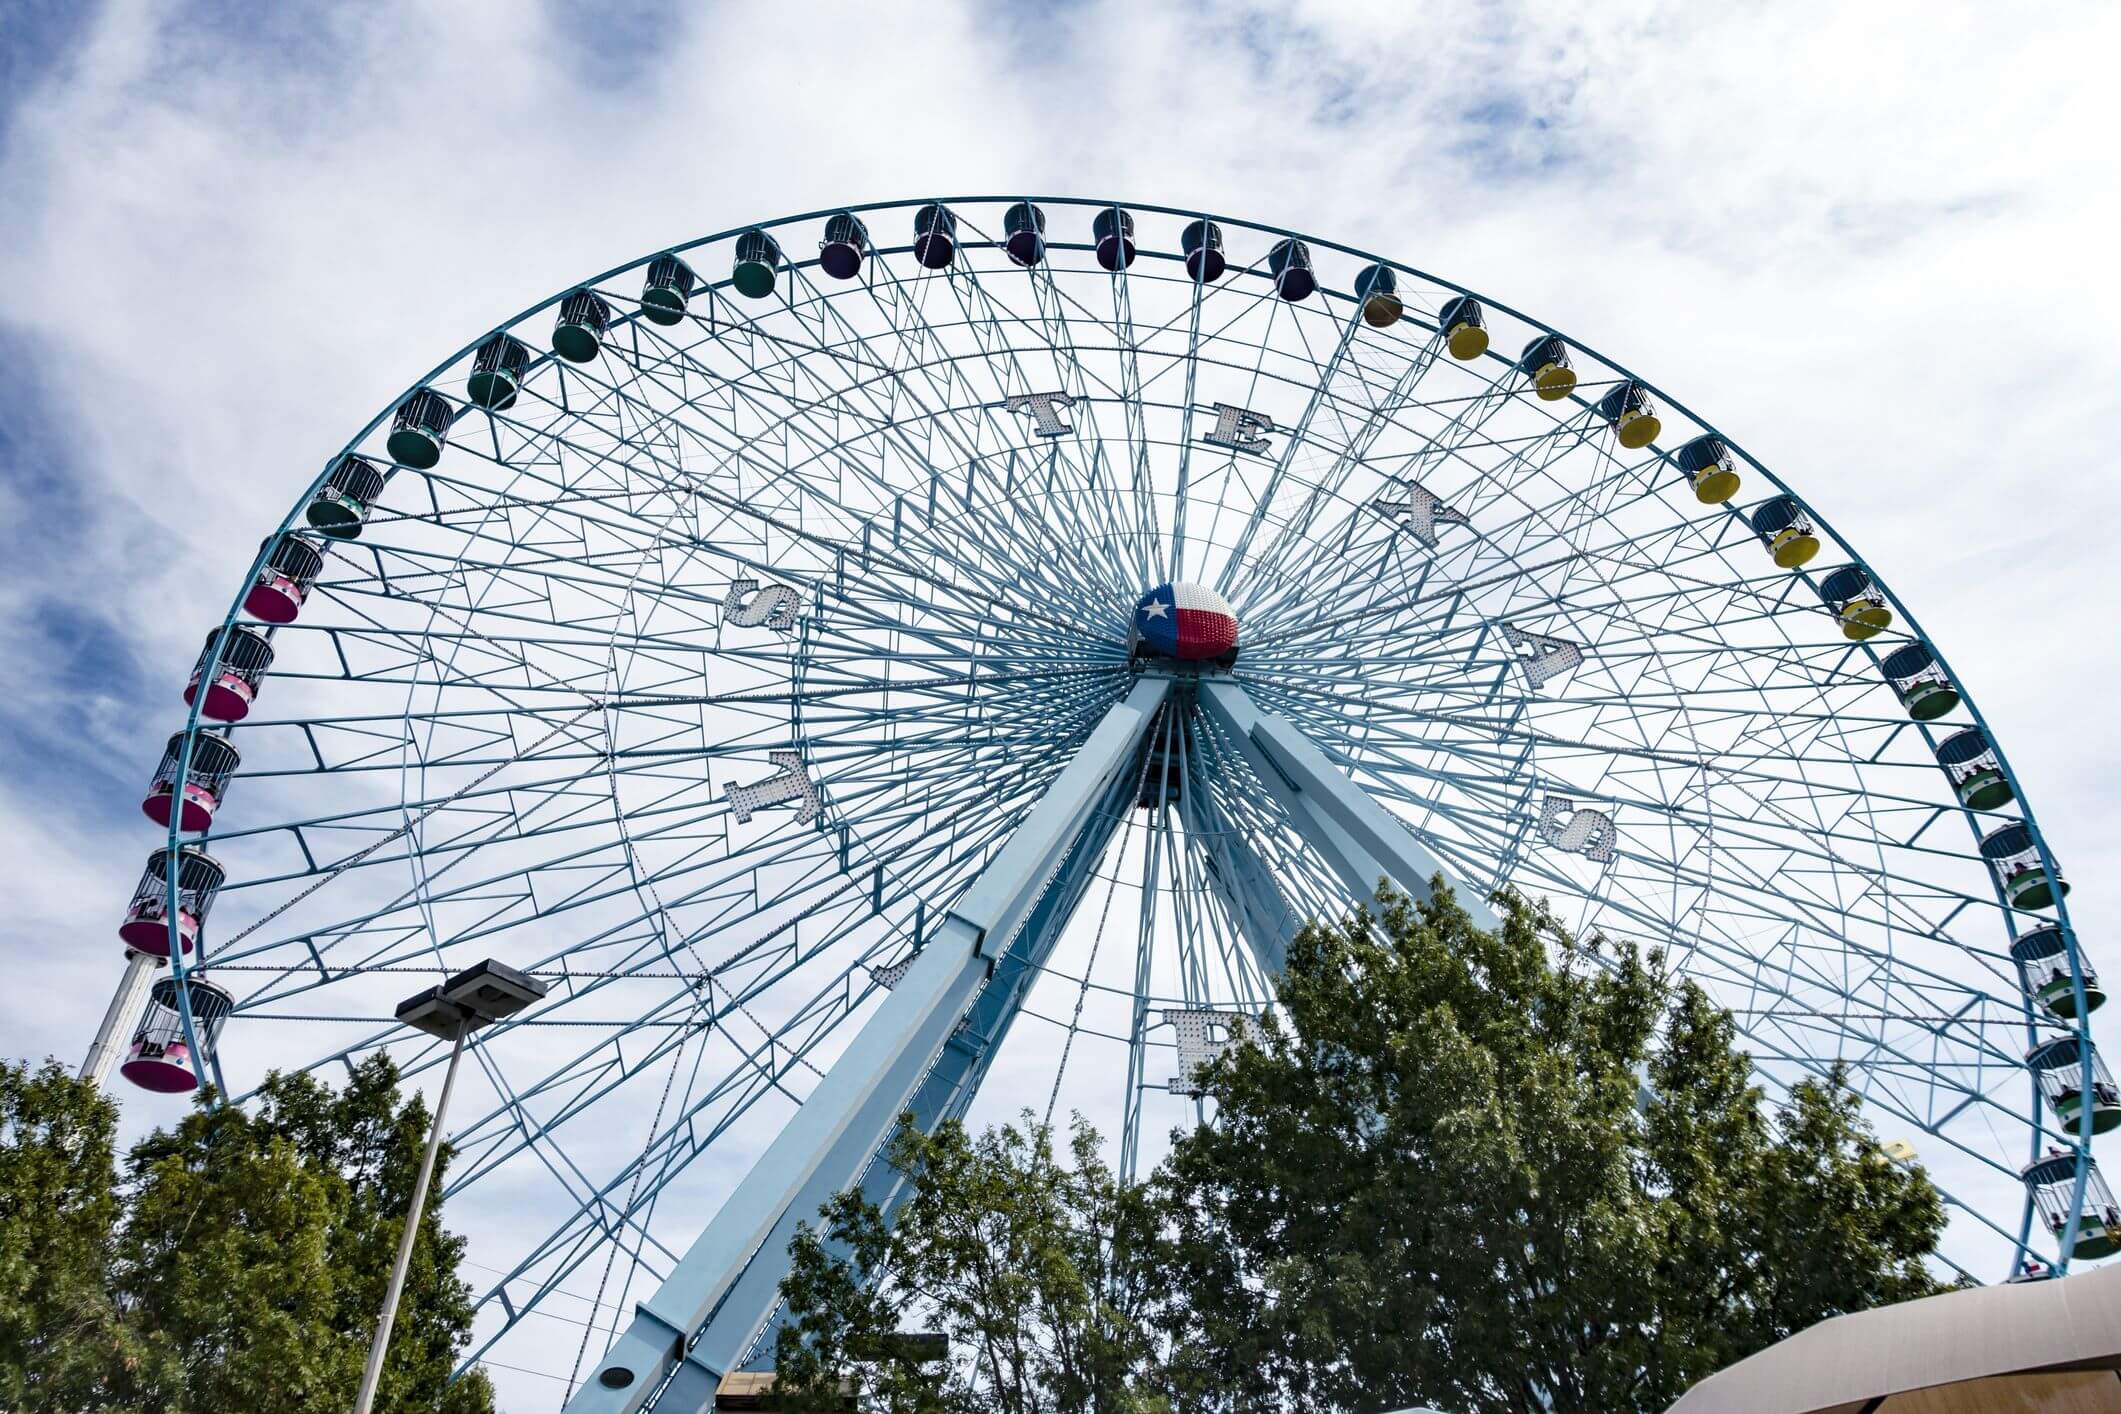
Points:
(60, 1335)
(1042, 1278)
(1483, 1172)
(239, 1265)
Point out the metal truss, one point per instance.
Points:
(763, 683)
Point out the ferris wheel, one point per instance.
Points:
(890, 656)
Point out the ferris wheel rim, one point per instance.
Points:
(1916, 632)
(1355, 252)
(2079, 1026)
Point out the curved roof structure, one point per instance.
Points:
(2048, 1347)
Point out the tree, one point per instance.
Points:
(362, 1138)
(259, 1242)
(224, 1262)
(241, 1265)
(1458, 1171)
(60, 1333)
(1040, 1275)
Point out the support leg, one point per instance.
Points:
(125, 1005)
(1360, 839)
(945, 1092)
(829, 1141)
(1250, 896)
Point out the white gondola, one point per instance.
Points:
(2052, 1182)
(2058, 1064)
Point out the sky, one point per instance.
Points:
(1873, 243)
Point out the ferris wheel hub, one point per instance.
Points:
(1188, 622)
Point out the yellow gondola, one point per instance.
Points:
(1784, 528)
(1710, 469)
(1546, 360)
(1465, 329)
(1378, 289)
(1632, 412)
(1856, 603)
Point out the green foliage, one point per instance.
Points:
(1041, 1276)
(1481, 1172)
(224, 1263)
(244, 1263)
(368, 1146)
(60, 1333)
(1464, 1174)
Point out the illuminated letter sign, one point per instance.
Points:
(1420, 512)
(1240, 429)
(1202, 1036)
(1044, 410)
(748, 606)
(1549, 658)
(788, 787)
(1587, 832)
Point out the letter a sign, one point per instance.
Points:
(1548, 659)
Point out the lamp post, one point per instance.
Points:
(452, 1011)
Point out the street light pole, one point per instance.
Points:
(449, 1012)
(371, 1376)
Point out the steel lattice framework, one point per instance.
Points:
(763, 682)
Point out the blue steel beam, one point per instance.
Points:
(1360, 839)
(831, 1139)
(1236, 713)
(945, 1093)
(1251, 897)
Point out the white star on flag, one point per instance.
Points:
(1154, 609)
